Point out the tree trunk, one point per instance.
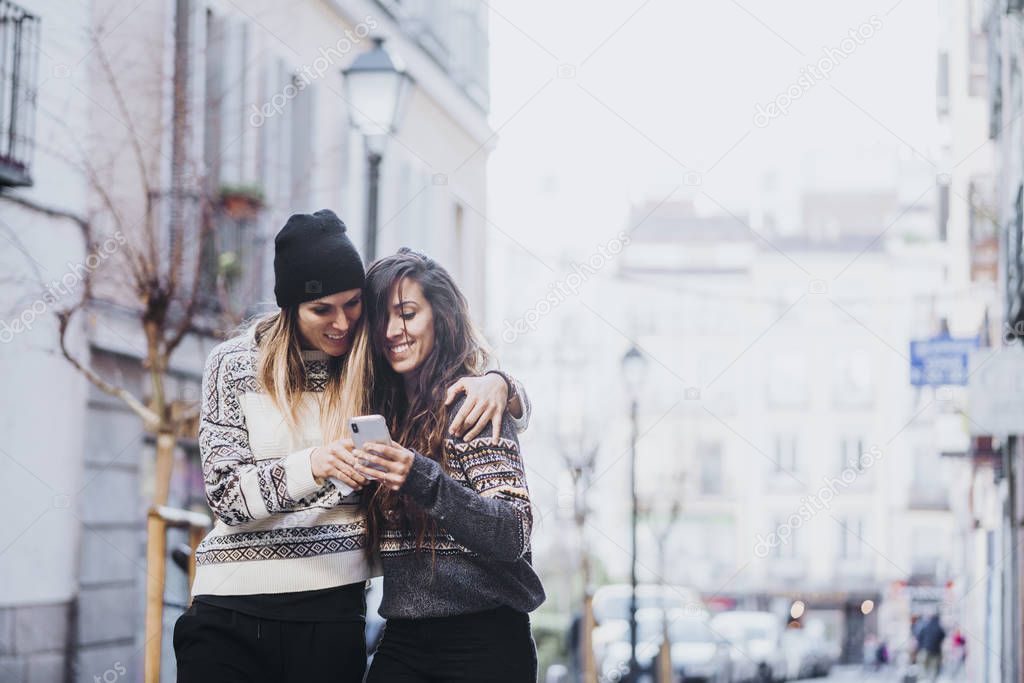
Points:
(587, 639)
(156, 567)
(164, 465)
(586, 644)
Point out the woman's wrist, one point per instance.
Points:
(512, 403)
(320, 481)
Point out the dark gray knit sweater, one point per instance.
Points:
(482, 551)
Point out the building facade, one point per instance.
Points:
(999, 455)
(239, 109)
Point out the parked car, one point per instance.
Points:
(742, 667)
(758, 639)
(808, 655)
(612, 601)
(607, 632)
(696, 654)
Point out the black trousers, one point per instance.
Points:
(493, 646)
(217, 645)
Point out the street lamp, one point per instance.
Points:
(634, 368)
(376, 87)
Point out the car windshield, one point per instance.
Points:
(737, 628)
(756, 633)
(617, 606)
(689, 631)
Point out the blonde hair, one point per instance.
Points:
(356, 382)
(282, 374)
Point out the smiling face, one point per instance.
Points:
(410, 330)
(329, 323)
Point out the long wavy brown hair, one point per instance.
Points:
(416, 415)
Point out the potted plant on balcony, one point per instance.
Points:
(241, 202)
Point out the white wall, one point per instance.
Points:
(42, 407)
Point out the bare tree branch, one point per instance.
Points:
(140, 158)
(205, 234)
(140, 269)
(150, 418)
(50, 211)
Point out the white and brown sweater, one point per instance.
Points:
(277, 530)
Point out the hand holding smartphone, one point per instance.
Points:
(365, 430)
(370, 429)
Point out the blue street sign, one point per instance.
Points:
(940, 360)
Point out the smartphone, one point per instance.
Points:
(370, 429)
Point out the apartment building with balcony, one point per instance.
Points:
(240, 113)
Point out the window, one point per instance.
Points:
(786, 453)
(995, 76)
(851, 531)
(785, 547)
(851, 454)
(787, 381)
(19, 62)
(231, 271)
(851, 379)
(302, 160)
(1015, 264)
(977, 48)
(709, 459)
(229, 274)
(982, 226)
(925, 551)
(943, 211)
(928, 488)
(942, 84)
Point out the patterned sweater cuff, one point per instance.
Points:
(299, 473)
(523, 421)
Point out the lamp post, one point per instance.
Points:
(634, 367)
(376, 87)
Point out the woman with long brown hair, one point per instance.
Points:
(279, 591)
(450, 516)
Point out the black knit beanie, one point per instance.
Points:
(313, 257)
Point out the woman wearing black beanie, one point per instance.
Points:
(279, 591)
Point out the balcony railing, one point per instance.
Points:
(19, 63)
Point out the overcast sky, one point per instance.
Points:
(650, 91)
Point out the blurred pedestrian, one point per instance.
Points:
(881, 655)
(916, 624)
(929, 641)
(574, 640)
(870, 648)
(959, 652)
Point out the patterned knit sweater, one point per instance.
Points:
(277, 530)
(482, 551)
